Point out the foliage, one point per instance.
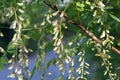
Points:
(85, 29)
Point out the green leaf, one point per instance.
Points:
(49, 46)
(33, 71)
(54, 61)
(80, 6)
(11, 48)
(115, 18)
(60, 78)
(50, 62)
(4, 60)
(34, 34)
(1, 66)
(108, 7)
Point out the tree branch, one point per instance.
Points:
(88, 33)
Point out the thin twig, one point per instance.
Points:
(88, 33)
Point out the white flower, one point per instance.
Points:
(101, 5)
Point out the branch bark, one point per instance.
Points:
(88, 33)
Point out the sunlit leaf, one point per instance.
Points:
(80, 6)
(115, 18)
